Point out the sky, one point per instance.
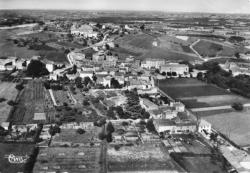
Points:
(213, 6)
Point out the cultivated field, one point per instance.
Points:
(198, 164)
(234, 125)
(32, 100)
(8, 92)
(16, 150)
(140, 158)
(197, 94)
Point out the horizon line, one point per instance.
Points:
(122, 10)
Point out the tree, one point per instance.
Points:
(11, 103)
(19, 87)
(78, 82)
(109, 137)
(94, 78)
(238, 106)
(150, 125)
(114, 83)
(237, 55)
(54, 130)
(110, 113)
(101, 135)
(86, 80)
(110, 127)
(200, 76)
(80, 131)
(36, 68)
(164, 73)
(85, 102)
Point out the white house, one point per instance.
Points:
(205, 128)
(170, 126)
(83, 31)
(179, 69)
(152, 63)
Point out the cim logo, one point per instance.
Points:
(17, 159)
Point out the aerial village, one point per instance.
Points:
(106, 111)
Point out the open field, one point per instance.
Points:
(169, 54)
(173, 43)
(71, 136)
(197, 94)
(198, 164)
(8, 48)
(234, 125)
(17, 150)
(32, 100)
(8, 92)
(208, 48)
(141, 45)
(73, 159)
(146, 157)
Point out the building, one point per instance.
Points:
(178, 106)
(179, 69)
(163, 113)
(85, 31)
(204, 128)
(152, 63)
(147, 104)
(172, 127)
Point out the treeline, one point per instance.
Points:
(215, 74)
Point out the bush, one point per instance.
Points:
(11, 103)
(2, 100)
(80, 131)
(238, 106)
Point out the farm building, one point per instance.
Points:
(179, 69)
(83, 31)
(152, 63)
(163, 113)
(147, 104)
(173, 127)
(205, 128)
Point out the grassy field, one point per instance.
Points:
(9, 92)
(234, 125)
(145, 157)
(197, 94)
(211, 49)
(8, 48)
(17, 150)
(141, 45)
(197, 164)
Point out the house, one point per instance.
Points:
(139, 84)
(152, 63)
(179, 69)
(179, 107)
(131, 136)
(50, 67)
(39, 117)
(165, 112)
(172, 127)
(204, 127)
(84, 74)
(85, 31)
(147, 104)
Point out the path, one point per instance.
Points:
(191, 47)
